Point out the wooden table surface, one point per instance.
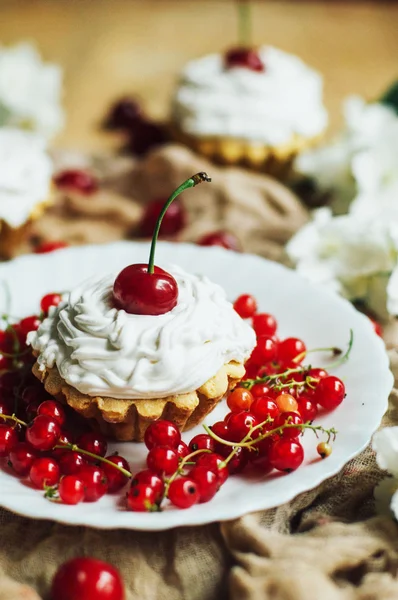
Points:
(111, 47)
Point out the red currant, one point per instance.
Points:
(240, 424)
(77, 180)
(238, 462)
(261, 458)
(48, 301)
(46, 247)
(52, 409)
(162, 433)
(206, 481)
(93, 442)
(116, 479)
(264, 408)
(318, 373)
(245, 306)
(162, 460)
(43, 433)
(290, 349)
(182, 450)
(173, 221)
(246, 58)
(265, 350)
(330, 392)
(29, 324)
(264, 324)
(240, 399)
(21, 458)
(215, 463)
(260, 389)
(201, 442)
(149, 478)
(307, 408)
(220, 238)
(291, 418)
(71, 489)
(71, 462)
(183, 492)
(8, 439)
(286, 455)
(141, 498)
(66, 438)
(44, 472)
(95, 482)
(286, 403)
(87, 579)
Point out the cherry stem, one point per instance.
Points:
(76, 448)
(191, 182)
(245, 23)
(14, 419)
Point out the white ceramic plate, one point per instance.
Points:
(303, 310)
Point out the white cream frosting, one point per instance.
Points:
(104, 351)
(268, 107)
(25, 174)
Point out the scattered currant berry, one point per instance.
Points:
(240, 424)
(286, 403)
(44, 472)
(183, 492)
(21, 458)
(240, 399)
(324, 449)
(220, 428)
(265, 350)
(201, 442)
(77, 180)
(220, 238)
(264, 324)
(52, 409)
(28, 324)
(46, 247)
(245, 306)
(71, 489)
(215, 463)
(307, 408)
(246, 58)
(116, 479)
(162, 433)
(71, 462)
(8, 439)
(172, 223)
(264, 408)
(93, 442)
(291, 418)
(330, 392)
(141, 498)
(182, 450)
(86, 578)
(291, 349)
(206, 481)
(162, 460)
(48, 301)
(286, 455)
(238, 462)
(43, 433)
(149, 478)
(95, 482)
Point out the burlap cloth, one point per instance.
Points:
(324, 545)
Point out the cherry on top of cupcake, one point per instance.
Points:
(244, 55)
(145, 289)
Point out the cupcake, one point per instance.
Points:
(258, 109)
(125, 350)
(25, 185)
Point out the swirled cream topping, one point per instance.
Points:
(268, 107)
(104, 351)
(25, 174)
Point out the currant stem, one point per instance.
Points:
(244, 23)
(14, 419)
(191, 182)
(76, 448)
(334, 350)
(186, 460)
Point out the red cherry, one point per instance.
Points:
(264, 324)
(289, 349)
(43, 433)
(88, 579)
(240, 424)
(71, 462)
(52, 409)
(182, 450)
(245, 306)
(292, 418)
(138, 292)
(162, 460)
(29, 324)
(95, 482)
(201, 442)
(8, 439)
(183, 492)
(77, 180)
(116, 479)
(264, 408)
(141, 498)
(21, 458)
(46, 247)
(246, 58)
(206, 481)
(93, 442)
(162, 433)
(150, 478)
(222, 239)
(330, 392)
(44, 472)
(215, 463)
(173, 221)
(124, 114)
(286, 455)
(48, 301)
(71, 489)
(265, 350)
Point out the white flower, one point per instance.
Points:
(385, 445)
(30, 91)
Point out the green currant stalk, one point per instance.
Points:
(334, 350)
(191, 182)
(76, 448)
(244, 23)
(184, 462)
(14, 419)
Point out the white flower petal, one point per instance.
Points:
(385, 444)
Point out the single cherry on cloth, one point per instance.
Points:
(144, 289)
(224, 239)
(86, 578)
(77, 180)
